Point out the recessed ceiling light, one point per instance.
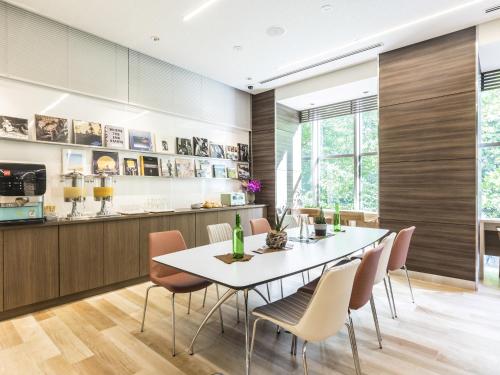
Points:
(325, 8)
(249, 78)
(312, 104)
(384, 33)
(198, 10)
(366, 92)
(155, 38)
(275, 31)
(237, 48)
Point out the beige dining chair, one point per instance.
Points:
(318, 316)
(220, 233)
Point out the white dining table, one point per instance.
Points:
(263, 268)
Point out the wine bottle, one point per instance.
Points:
(336, 219)
(238, 250)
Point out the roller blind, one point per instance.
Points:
(490, 80)
(349, 107)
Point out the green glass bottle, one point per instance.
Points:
(238, 250)
(336, 219)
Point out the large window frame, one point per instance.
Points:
(318, 157)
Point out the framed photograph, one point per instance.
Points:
(231, 172)
(184, 146)
(114, 136)
(105, 162)
(51, 129)
(203, 168)
(219, 171)
(165, 144)
(216, 151)
(13, 127)
(149, 165)
(87, 133)
(200, 146)
(140, 140)
(74, 161)
(243, 152)
(167, 167)
(243, 171)
(232, 152)
(130, 167)
(184, 168)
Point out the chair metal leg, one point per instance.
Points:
(281, 285)
(189, 303)
(303, 279)
(247, 333)
(388, 297)
(293, 347)
(268, 293)
(354, 347)
(375, 320)
(220, 310)
(253, 336)
(204, 297)
(308, 276)
(173, 324)
(260, 294)
(304, 357)
(409, 283)
(392, 296)
(237, 308)
(146, 305)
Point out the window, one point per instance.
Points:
(339, 161)
(490, 153)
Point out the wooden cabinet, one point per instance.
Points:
(228, 216)
(1, 271)
(81, 262)
(121, 250)
(31, 266)
(247, 214)
(186, 224)
(202, 220)
(149, 225)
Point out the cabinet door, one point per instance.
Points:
(121, 250)
(228, 216)
(186, 224)
(202, 220)
(1, 271)
(81, 256)
(31, 266)
(245, 218)
(149, 225)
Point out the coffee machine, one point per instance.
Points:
(22, 187)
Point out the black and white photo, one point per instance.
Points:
(200, 146)
(216, 151)
(184, 146)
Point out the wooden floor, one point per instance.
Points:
(447, 331)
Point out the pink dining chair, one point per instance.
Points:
(177, 282)
(397, 259)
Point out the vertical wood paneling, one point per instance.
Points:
(186, 224)
(427, 136)
(149, 225)
(263, 148)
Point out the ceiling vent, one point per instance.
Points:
(315, 65)
(492, 9)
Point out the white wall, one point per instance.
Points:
(20, 99)
(488, 36)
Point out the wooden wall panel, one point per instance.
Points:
(81, 257)
(202, 220)
(440, 249)
(430, 69)
(434, 191)
(121, 251)
(263, 148)
(427, 134)
(186, 224)
(31, 266)
(1, 271)
(149, 225)
(442, 131)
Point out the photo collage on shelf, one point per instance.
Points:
(200, 161)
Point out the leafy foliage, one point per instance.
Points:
(320, 219)
(278, 225)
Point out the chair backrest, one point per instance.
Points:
(384, 257)
(327, 309)
(219, 232)
(290, 222)
(161, 243)
(365, 275)
(400, 249)
(260, 226)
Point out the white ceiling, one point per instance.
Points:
(205, 43)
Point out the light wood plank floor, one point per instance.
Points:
(447, 331)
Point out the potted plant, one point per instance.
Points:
(277, 238)
(320, 224)
(252, 187)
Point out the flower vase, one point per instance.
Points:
(250, 197)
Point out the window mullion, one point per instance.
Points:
(357, 135)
